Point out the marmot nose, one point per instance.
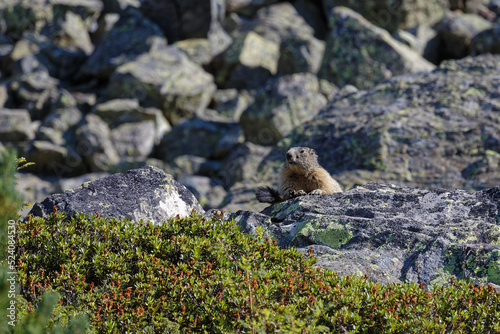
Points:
(289, 156)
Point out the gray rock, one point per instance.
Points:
(18, 16)
(218, 38)
(75, 34)
(52, 159)
(392, 233)
(35, 188)
(299, 50)
(161, 124)
(36, 92)
(181, 167)
(247, 7)
(39, 53)
(117, 6)
(487, 41)
(185, 165)
(494, 6)
(248, 62)
(393, 16)
(456, 31)
(491, 136)
(56, 125)
(104, 25)
(3, 94)
(484, 8)
(207, 191)
(134, 139)
(197, 49)
(146, 194)
(85, 101)
(32, 188)
(95, 146)
(486, 168)
(242, 195)
(66, 22)
(196, 23)
(199, 137)
(132, 36)
(280, 106)
(278, 40)
(241, 164)
(15, 125)
(87, 10)
(165, 79)
(359, 53)
(61, 185)
(128, 163)
(249, 222)
(117, 112)
(313, 14)
(22, 58)
(180, 20)
(328, 89)
(61, 63)
(425, 40)
(231, 103)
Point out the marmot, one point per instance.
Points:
(301, 175)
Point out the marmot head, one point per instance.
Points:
(301, 158)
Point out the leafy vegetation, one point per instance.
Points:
(10, 200)
(37, 320)
(203, 275)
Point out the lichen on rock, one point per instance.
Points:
(394, 233)
(147, 194)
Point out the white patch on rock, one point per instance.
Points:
(174, 205)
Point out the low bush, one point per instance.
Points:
(37, 320)
(203, 275)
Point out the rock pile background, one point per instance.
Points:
(213, 92)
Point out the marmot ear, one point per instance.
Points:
(312, 151)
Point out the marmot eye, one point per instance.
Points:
(302, 151)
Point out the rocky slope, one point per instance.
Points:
(214, 94)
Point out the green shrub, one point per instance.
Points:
(10, 200)
(198, 275)
(37, 320)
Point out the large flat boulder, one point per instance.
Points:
(146, 193)
(392, 233)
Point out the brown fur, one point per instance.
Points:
(301, 175)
